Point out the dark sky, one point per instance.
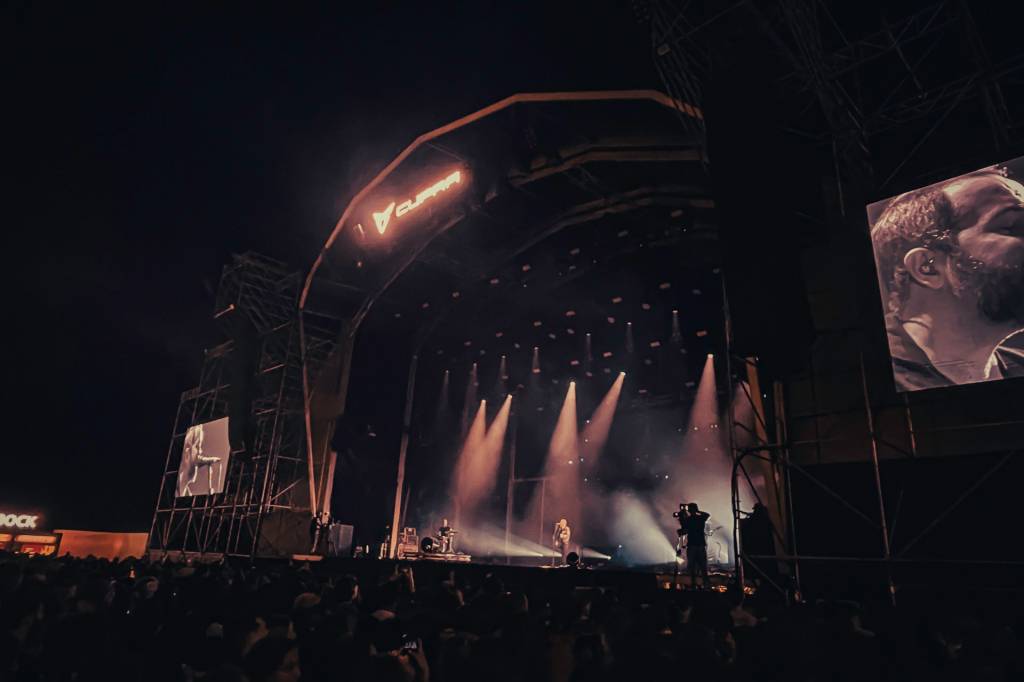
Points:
(150, 144)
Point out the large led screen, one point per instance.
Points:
(950, 261)
(204, 459)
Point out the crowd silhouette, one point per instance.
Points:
(91, 619)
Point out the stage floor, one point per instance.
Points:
(450, 557)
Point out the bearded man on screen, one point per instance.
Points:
(951, 269)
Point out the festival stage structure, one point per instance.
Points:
(544, 245)
(547, 241)
(524, 212)
(785, 433)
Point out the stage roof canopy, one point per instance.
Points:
(551, 212)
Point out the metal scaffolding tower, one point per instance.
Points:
(881, 96)
(254, 378)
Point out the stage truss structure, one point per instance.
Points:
(763, 441)
(841, 408)
(255, 378)
(828, 63)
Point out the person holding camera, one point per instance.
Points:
(691, 525)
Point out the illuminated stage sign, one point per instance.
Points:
(383, 218)
(18, 520)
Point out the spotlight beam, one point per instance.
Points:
(702, 472)
(595, 433)
(562, 492)
(463, 467)
(481, 455)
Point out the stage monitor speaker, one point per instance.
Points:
(285, 532)
(339, 540)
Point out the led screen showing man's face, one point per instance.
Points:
(950, 261)
(204, 459)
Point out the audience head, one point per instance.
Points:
(273, 659)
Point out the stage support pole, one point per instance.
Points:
(510, 492)
(406, 496)
(396, 517)
(878, 481)
(910, 425)
(731, 418)
(543, 492)
(782, 436)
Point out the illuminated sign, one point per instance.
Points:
(383, 218)
(18, 520)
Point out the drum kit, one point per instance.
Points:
(442, 543)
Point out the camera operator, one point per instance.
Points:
(691, 524)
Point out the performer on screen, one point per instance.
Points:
(560, 539)
(951, 267)
(447, 536)
(193, 460)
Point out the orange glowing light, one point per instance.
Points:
(382, 219)
(18, 520)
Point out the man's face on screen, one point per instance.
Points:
(990, 266)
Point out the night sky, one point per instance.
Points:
(150, 144)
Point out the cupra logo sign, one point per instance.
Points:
(381, 219)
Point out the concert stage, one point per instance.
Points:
(526, 316)
(539, 304)
(538, 286)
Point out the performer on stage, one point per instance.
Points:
(318, 527)
(691, 525)
(446, 535)
(560, 539)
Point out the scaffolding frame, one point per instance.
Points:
(257, 300)
(769, 441)
(822, 68)
(825, 68)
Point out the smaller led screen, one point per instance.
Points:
(204, 459)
